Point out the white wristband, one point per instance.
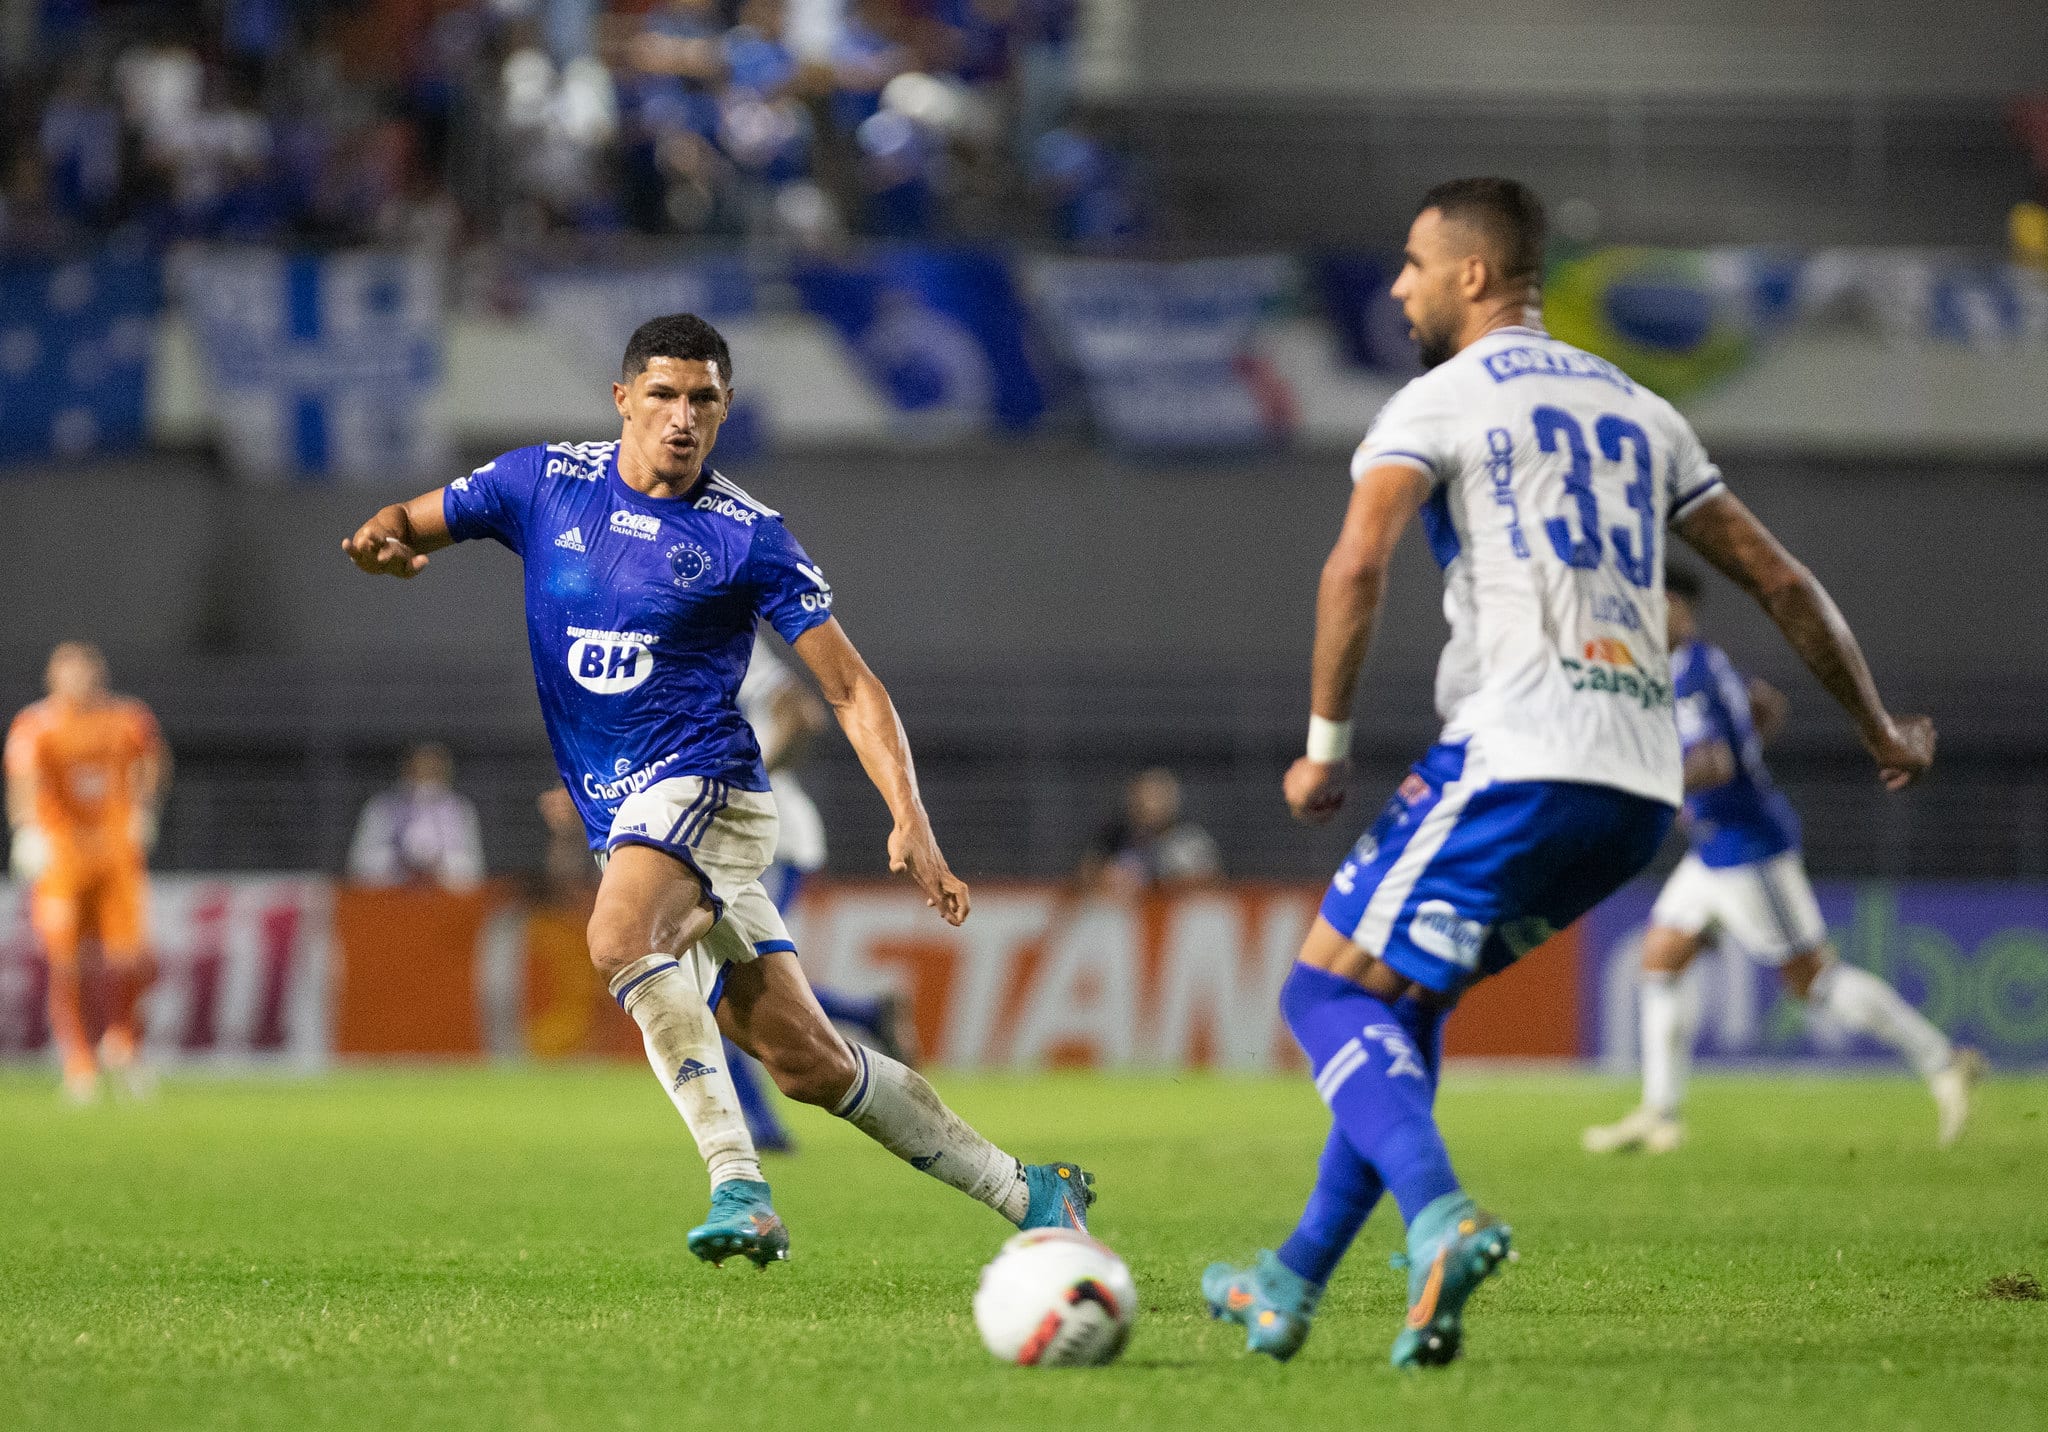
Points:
(1328, 740)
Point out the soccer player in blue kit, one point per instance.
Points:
(1744, 882)
(647, 574)
(1545, 479)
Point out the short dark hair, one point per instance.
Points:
(1507, 212)
(1682, 581)
(682, 336)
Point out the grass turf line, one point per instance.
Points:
(504, 1250)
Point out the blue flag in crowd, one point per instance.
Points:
(323, 366)
(1168, 350)
(940, 332)
(75, 343)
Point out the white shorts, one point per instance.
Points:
(727, 838)
(1767, 908)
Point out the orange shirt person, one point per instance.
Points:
(85, 772)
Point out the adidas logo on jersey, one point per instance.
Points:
(572, 539)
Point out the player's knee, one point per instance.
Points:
(814, 1069)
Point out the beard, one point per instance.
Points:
(1434, 346)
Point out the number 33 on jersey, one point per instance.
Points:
(1553, 477)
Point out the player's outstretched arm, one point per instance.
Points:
(868, 717)
(1728, 534)
(1347, 603)
(395, 542)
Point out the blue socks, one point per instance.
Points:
(1376, 1067)
(1346, 1190)
(769, 1134)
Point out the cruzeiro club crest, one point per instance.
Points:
(689, 562)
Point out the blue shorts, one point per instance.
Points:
(1461, 876)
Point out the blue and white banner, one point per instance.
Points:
(322, 367)
(940, 332)
(598, 309)
(595, 312)
(1167, 350)
(75, 341)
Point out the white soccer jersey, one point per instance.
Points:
(1554, 477)
(802, 840)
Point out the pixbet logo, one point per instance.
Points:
(726, 507)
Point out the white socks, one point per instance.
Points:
(1671, 1022)
(683, 1046)
(899, 1110)
(1858, 1000)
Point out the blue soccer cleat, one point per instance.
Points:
(1452, 1248)
(741, 1222)
(1060, 1195)
(1274, 1303)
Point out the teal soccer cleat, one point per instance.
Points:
(1452, 1248)
(1060, 1195)
(1274, 1303)
(741, 1222)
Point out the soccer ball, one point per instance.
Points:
(1055, 1298)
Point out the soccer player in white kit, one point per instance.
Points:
(1545, 478)
(1743, 880)
(786, 718)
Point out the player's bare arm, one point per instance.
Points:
(1347, 604)
(868, 717)
(1708, 765)
(796, 719)
(395, 542)
(1768, 709)
(1727, 534)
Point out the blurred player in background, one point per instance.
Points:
(1151, 845)
(1545, 479)
(86, 772)
(647, 577)
(1743, 878)
(421, 831)
(786, 719)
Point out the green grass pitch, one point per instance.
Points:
(504, 1250)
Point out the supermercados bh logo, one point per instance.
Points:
(609, 662)
(689, 562)
(629, 782)
(1610, 666)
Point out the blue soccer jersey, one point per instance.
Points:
(1746, 818)
(640, 613)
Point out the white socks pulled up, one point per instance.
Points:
(897, 1108)
(1855, 999)
(1670, 1010)
(683, 1047)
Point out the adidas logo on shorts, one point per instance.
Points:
(572, 539)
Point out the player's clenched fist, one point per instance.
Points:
(1315, 789)
(382, 546)
(1904, 752)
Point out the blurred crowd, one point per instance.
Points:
(334, 122)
